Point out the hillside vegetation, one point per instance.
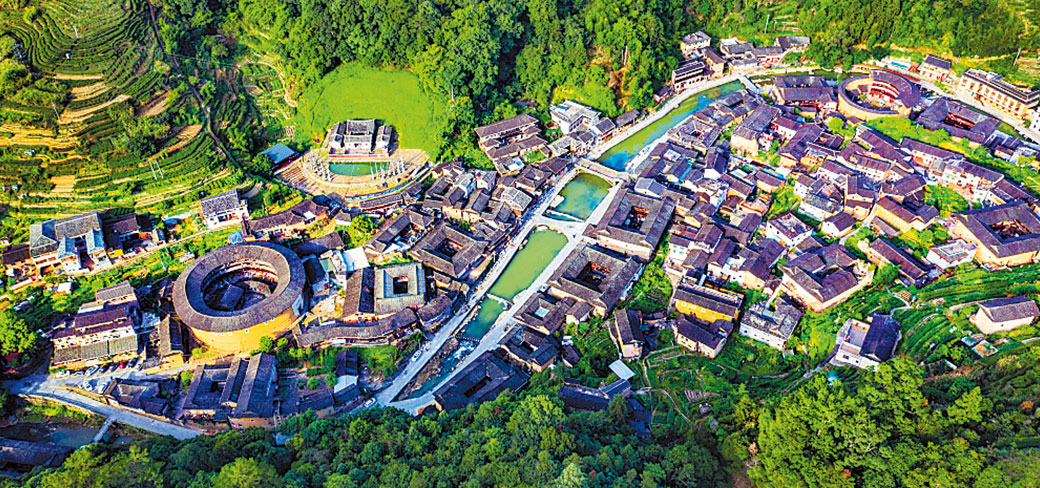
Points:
(92, 117)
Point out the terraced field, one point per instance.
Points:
(66, 158)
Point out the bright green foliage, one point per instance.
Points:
(884, 432)
(886, 274)
(504, 442)
(15, 334)
(784, 200)
(355, 92)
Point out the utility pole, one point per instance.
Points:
(76, 30)
(55, 108)
(768, 16)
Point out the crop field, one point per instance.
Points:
(391, 97)
(63, 151)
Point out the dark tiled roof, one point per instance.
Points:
(507, 125)
(467, 250)
(220, 202)
(195, 313)
(881, 338)
(15, 254)
(908, 265)
(320, 245)
(699, 331)
(615, 273)
(937, 62)
(1008, 309)
(481, 380)
(626, 326)
(978, 223)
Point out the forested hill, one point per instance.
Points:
(889, 428)
(610, 54)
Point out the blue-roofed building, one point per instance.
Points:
(280, 154)
(74, 244)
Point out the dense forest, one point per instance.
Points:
(892, 427)
(611, 54)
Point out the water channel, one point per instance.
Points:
(580, 197)
(541, 247)
(60, 433)
(617, 156)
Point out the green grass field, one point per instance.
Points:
(389, 96)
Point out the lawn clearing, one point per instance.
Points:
(392, 97)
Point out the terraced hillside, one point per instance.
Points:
(110, 127)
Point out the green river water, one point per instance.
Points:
(617, 156)
(582, 194)
(541, 247)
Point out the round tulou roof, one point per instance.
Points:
(192, 309)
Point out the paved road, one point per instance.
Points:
(491, 340)
(505, 322)
(430, 349)
(41, 386)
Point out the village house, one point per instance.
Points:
(770, 322)
(594, 276)
(358, 138)
(935, 68)
(823, 277)
(97, 335)
(71, 245)
(506, 140)
(547, 314)
(810, 93)
(694, 44)
(1005, 235)
(838, 225)
(397, 235)
(626, 332)
(1004, 314)
(569, 116)
(866, 344)
(882, 252)
(481, 380)
(530, 348)
(223, 209)
(689, 73)
(700, 336)
(289, 222)
(634, 224)
(450, 251)
(792, 44)
(951, 254)
(707, 304)
(958, 121)
(787, 230)
(242, 392)
(903, 217)
(991, 90)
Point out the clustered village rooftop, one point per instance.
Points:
(707, 189)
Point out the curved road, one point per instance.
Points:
(41, 385)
